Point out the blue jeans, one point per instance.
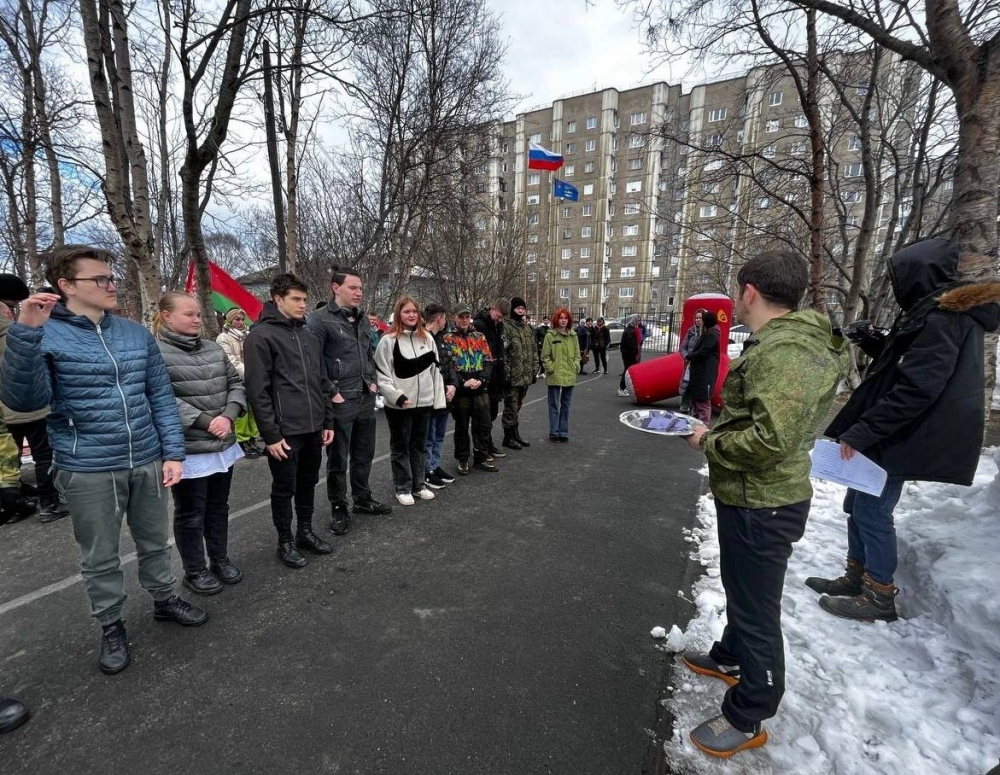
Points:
(435, 438)
(871, 533)
(559, 401)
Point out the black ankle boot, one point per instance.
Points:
(176, 609)
(848, 585)
(308, 540)
(517, 437)
(288, 554)
(13, 713)
(508, 439)
(115, 655)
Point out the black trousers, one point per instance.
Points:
(627, 363)
(353, 448)
(600, 356)
(295, 478)
(407, 446)
(474, 411)
(201, 519)
(36, 432)
(755, 545)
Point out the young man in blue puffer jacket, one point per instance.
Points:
(116, 436)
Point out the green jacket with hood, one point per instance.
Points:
(775, 396)
(561, 358)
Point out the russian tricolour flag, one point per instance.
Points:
(542, 159)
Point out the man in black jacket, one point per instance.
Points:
(630, 348)
(289, 394)
(436, 477)
(489, 322)
(918, 413)
(343, 328)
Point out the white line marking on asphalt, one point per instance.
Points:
(69, 581)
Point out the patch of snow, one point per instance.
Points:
(996, 383)
(658, 632)
(676, 640)
(920, 695)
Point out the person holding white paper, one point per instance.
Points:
(918, 413)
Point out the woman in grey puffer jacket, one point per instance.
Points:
(210, 396)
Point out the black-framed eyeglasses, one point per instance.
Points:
(102, 281)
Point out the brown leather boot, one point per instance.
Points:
(848, 585)
(877, 602)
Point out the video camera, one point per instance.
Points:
(861, 331)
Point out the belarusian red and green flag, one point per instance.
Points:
(226, 292)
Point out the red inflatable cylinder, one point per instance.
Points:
(659, 378)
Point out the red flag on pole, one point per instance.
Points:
(226, 292)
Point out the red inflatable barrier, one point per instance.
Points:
(659, 378)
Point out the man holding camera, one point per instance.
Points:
(919, 413)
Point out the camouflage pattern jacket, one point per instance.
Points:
(776, 395)
(520, 353)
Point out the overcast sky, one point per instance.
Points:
(562, 46)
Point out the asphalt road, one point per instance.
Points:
(501, 628)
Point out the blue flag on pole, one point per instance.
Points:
(564, 190)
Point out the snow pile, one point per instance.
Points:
(996, 383)
(920, 695)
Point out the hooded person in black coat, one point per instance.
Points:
(918, 413)
(704, 368)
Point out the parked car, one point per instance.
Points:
(616, 328)
(737, 336)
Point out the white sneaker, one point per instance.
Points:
(404, 498)
(424, 495)
(623, 393)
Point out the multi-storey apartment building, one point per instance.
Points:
(675, 189)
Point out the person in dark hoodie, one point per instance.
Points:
(521, 363)
(436, 477)
(704, 369)
(918, 413)
(489, 322)
(630, 348)
(289, 393)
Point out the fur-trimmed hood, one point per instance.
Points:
(978, 300)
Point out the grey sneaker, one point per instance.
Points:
(703, 664)
(717, 737)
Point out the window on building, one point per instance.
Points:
(656, 271)
(949, 184)
(717, 114)
(586, 232)
(708, 211)
(635, 164)
(588, 211)
(630, 250)
(705, 235)
(564, 274)
(636, 141)
(567, 212)
(590, 145)
(801, 121)
(534, 178)
(532, 239)
(567, 233)
(582, 293)
(570, 127)
(611, 210)
(630, 208)
(711, 188)
(630, 230)
(567, 253)
(674, 260)
(588, 189)
(661, 228)
(480, 188)
(533, 199)
(854, 144)
(637, 118)
(613, 188)
(712, 166)
(853, 170)
(592, 122)
(564, 293)
(536, 138)
(772, 125)
(532, 277)
(627, 271)
(626, 293)
(588, 167)
(770, 151)
(531, 258)
(570, 147)
(569, 170)
(763, 203)
(611, 231)
(633, 187)
(533, 219)
(505, 167)
(714, 140)
(797, 149)
(585, 273)
(585, 252)
(775, 99)
(862, 89)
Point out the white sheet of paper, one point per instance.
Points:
(208, 463)
(858, 473)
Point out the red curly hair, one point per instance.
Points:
(562, 311)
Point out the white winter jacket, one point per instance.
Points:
(408, 371)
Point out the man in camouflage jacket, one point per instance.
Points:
(520, 363)
(775, 396)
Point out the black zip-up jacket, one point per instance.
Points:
(493, 332)
(919, 411)
(704, 359)
(347, 348)
(600, 338)
(286, 383)
(444, 360)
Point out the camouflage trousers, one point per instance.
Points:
(10, 458)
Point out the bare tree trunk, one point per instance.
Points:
(271, 134)
(816, 215)
(30, 222)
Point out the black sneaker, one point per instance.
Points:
(52, 509)
(115, 655)
(13, 713)
(340, 519)
(463, 467)
(225, 571)
(371, 506)
(202, 582)
(174, 609)
(443, 475)
(494, 452)
(486, 465)
(434, 481)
